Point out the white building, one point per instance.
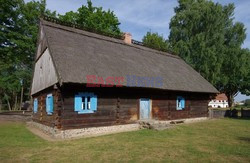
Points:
(220, 101)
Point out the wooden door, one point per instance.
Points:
(144, 108)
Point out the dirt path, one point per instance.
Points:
(15, 116)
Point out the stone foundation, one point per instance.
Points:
(97, 131)
(161, 125)
(187, 120)
(191, 120)
(83, 132)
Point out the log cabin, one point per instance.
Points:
(83, 80)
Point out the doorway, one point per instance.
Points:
(145, 106)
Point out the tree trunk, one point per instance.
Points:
(21, 99)
(230, 99)
(9, 105)
(15, 106)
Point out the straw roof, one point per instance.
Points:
(78, 53)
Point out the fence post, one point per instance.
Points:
(241, 112)
(211, 113)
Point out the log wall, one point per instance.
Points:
(41, 116)
(114, 107)
(164, 107)
(117, 106)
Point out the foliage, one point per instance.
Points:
(224, 140)
(247, 102)
(19, 28)
(155, 41)
(234, 72)
(94, 18)
(204, 34)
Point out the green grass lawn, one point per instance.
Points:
(224, 140)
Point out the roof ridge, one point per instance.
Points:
(97, 35)
(81, 27)
(136, 42)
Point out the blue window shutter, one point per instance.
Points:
(84, 97)
(51, 103)
(182, 103)
(47, 104)
(93, 102)
(78, 103)
(35, 105)
(179, 103)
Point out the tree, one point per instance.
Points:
(235, 67)
(155, 41)
(18, 37)
(247, 102)
(204, 35)
(234, 72)
(94, 18)
(19, 28)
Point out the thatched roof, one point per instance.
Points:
(77, 53)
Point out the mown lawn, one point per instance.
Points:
(224, 140)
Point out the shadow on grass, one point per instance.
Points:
(245, 139)
(239, 118)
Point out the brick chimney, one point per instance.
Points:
(128, 38)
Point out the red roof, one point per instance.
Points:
(221, 96)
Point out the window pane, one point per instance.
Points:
(88, 100)
(180, 103)
(83, 103)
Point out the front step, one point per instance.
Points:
(162, 125)
(155, 125)
(177, 122)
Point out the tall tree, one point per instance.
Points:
(204, 35)
(235, 67)
(235, 73)
(155, 41)
(197, 35)
(94, 18)
(18, 31)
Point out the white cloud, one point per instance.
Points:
(136, 17)
(140, 16)
(242, 14)
(148, 13)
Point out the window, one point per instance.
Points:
(49, 104)
(85, 103)
(35, 107)
(180, 103)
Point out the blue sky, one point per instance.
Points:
(140, 16)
